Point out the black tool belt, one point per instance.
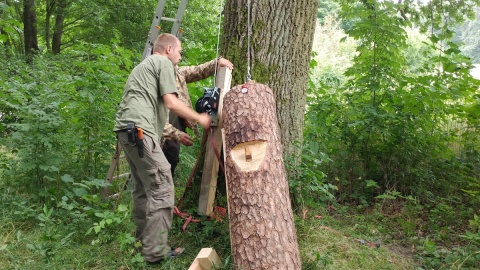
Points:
(135, 137)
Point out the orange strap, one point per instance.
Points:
(185, 216)
(219, 212)
(190, 178)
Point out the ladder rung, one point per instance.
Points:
(155, 29)
(120, 176)
(169, 19)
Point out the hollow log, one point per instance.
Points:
(262, 229)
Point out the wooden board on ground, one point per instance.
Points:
(214, 141)
(205, 260)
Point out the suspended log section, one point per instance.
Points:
(262, 230)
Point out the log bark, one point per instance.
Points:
(262, 230)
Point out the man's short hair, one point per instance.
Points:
(163, 41)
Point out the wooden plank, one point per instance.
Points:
(226, 182)
(195, 265)
(210, 174)
(210, 166)
(224, 81)
(205, 260)
(123, 175)
(111, 170)
(207, 257)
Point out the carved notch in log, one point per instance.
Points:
(262, 230)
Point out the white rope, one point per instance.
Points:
(218, 42)
(249, 76)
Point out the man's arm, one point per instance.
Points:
(197, 73)
(178, 107)
(187, 74)
(205, 70)
(171, 133)
(191, 74)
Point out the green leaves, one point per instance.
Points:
(396, 117)
(11, 29)
(108, 222)
(67, 178)
(57, 119)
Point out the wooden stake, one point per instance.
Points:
(226, 180)
(248, 154)
(111, 170)
(211, 164)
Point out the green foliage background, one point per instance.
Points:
(399, 127)
(391, 127)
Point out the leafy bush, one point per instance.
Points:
(57, 120)
(60, 117)
(307, 185)
(392, 125)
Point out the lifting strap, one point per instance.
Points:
(218, 41)
(249, 29)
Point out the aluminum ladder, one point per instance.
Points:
(155, 28)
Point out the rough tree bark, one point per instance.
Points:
(59, 20)
(50, 6)
(281, 45)
(30, 26)
(262, 230)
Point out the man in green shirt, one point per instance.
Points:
(149, 93)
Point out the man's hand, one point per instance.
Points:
(185, 139)
(177, 106)
(204, 120)
(222, 62)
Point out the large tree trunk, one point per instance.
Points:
(50, 5)
(262, 229)
(30, 26)
(59, 19)
(281, 45)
